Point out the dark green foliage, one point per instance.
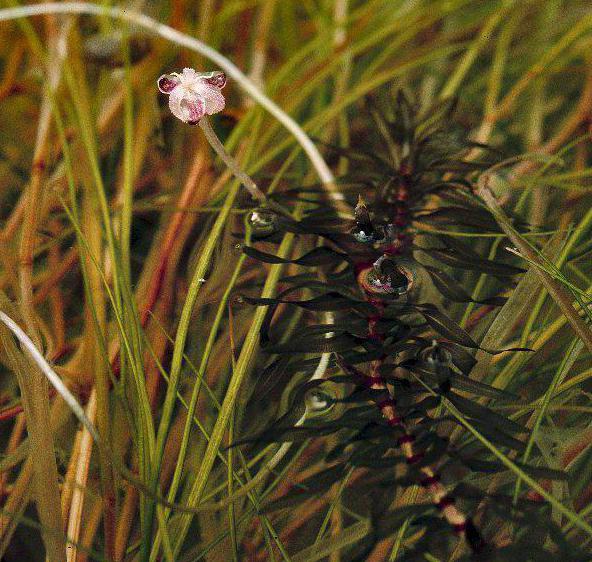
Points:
(392, 347)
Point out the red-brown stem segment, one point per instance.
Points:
(461, 524)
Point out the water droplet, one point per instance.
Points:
(263, 222)
(436, 355)
(362, 236)
(319, 402)
(388, 277)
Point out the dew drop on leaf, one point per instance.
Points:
(263, 222)
(319, 402)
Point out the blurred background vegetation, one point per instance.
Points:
(119, 258)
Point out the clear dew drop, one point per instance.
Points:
(388, 277)
(436, 355)
(263, 222)
(319, 402)
(363, 237)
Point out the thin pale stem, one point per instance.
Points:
(51, 375)
(554, 287)
(80, 480)
(193, 44)
(32, 209)
(230, 162)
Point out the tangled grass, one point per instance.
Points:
(118, 259)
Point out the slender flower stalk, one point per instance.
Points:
(192, 44)
(231, 163)
(192, 97)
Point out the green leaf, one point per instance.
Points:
(462, 382)
(474, 217)
(484, 415)
(544, 472)
(445, 326)
(315, 344)
(452, 290)
(291, 434)
(465, 383)
(328, 301)
(319, 256)
(316, 484)
(458, 254)
(324, 548)
(393, 519)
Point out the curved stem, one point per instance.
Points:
(230, 162)
(193, 44)
(51, 375)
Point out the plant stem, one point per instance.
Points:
(554, 287)
(51, 375)
(230, 162)
(193, 44)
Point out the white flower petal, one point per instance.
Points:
(195, 110)
(192, 94)
(186, 105)
(175, 101)
(189, 75)
(214, 100)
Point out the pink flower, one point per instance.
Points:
(193, 94)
